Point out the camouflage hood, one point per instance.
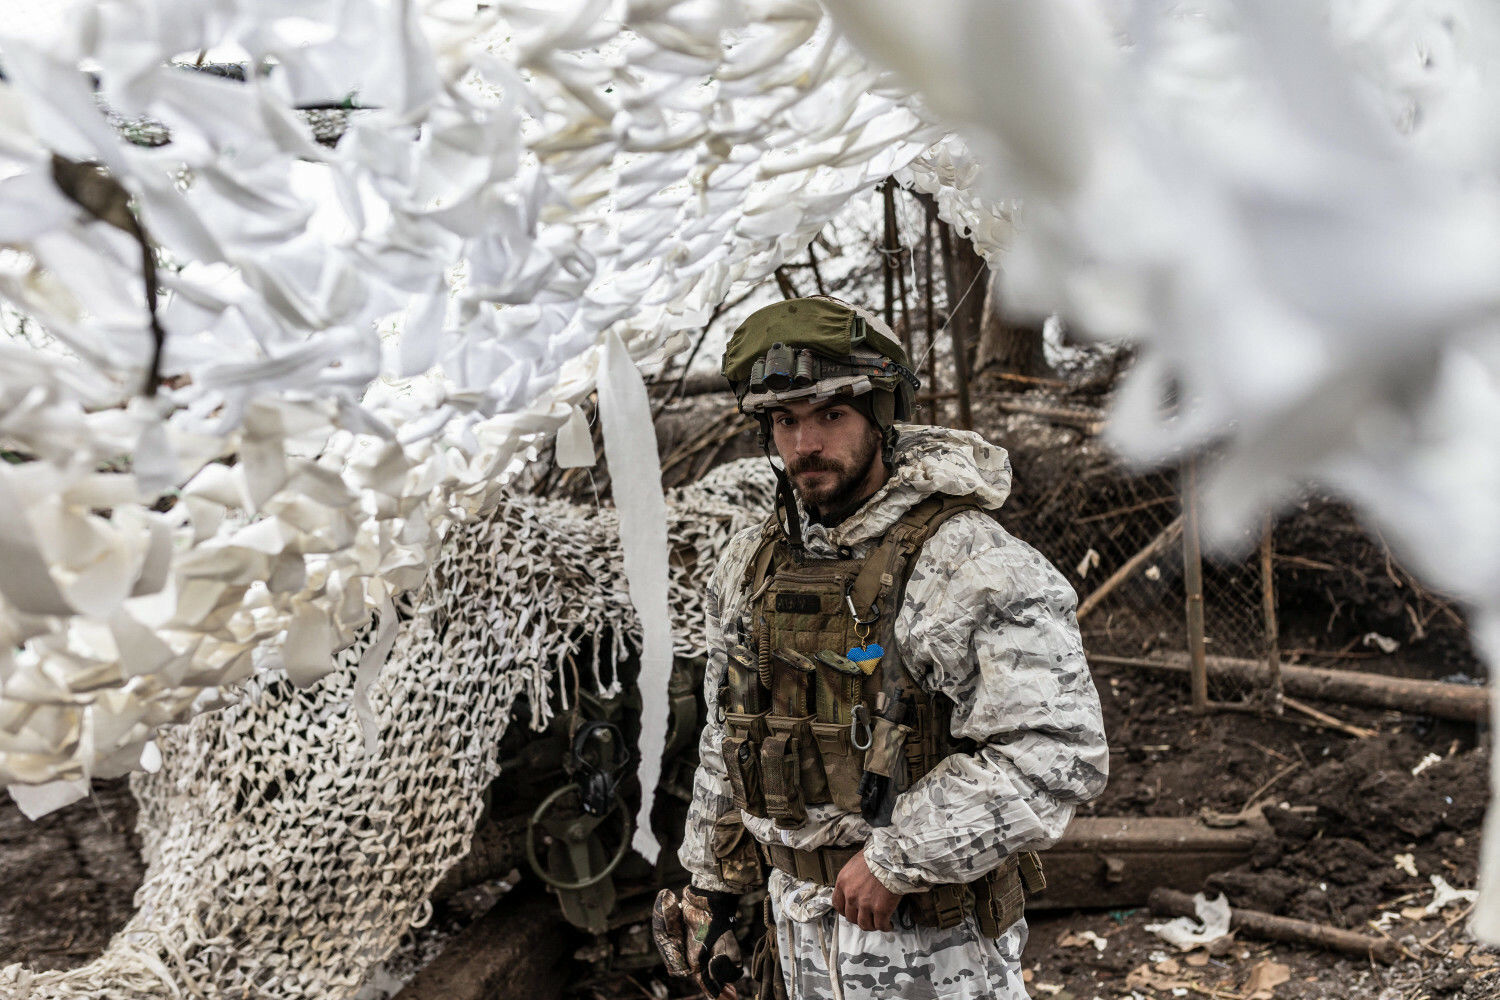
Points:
(929, 460)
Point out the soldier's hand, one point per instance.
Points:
(860, 897)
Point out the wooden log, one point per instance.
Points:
(518, 949)
(1115, 861)
(495, 850)
(699, 384)
(1153, 548)
(1267, 927)
(1461, 702)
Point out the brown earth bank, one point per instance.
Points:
(1345, 814)
(67, 880)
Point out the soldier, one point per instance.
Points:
(902, 707)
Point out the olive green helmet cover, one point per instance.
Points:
(847, 339)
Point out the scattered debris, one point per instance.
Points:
(1083, 939)
(1187, 933)
(1264, 978)
(1265, 926)
(1444, 894)
(1425, 763)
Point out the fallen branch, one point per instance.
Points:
(1266, 927)
(1269, 784)
(1153, 548)
(1461, 702)
(1358, 732)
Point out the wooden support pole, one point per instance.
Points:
(1460, 702)
(906, 334)
(1192, 575)
(1268, 609)
(956, 328)
(1153, 549)
(931, 325)
(888, 254)
(1266, 927)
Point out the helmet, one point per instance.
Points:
(818, 347)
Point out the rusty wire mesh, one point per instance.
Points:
(1117, 535)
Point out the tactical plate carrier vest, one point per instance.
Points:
(818, 707)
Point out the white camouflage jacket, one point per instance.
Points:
(987, 622)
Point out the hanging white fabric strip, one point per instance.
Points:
(575, 449)
(635, 467)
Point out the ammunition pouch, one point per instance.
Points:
(741, 748)
(842, 763)
(791, 770)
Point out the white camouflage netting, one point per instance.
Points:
(283, 860)
(1295, 209)
(509, 201)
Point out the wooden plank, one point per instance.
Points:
(1113, 862)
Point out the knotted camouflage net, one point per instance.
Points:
(284, 860)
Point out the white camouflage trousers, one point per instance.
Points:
(829, 958)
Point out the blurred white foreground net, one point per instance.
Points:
(1295, 211)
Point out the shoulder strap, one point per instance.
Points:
(759, 566)
(893, 557)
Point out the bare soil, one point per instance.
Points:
(68, 879)
(1343, 811)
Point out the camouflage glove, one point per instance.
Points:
(692, 936)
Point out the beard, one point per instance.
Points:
(840, 489)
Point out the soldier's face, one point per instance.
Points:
(831, 452)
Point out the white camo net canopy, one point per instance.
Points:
(1295, 209)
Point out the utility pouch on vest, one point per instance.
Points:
(843, 762)
(742, 760)
(785, 757)
(886, 748)
(734, 848)
(999, 898)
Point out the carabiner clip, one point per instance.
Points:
(849, 603)
(860, 719)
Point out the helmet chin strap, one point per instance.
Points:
(786, 500)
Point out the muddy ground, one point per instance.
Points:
(1343, 810)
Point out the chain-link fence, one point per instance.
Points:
(1126, 542)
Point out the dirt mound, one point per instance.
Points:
(1337, 864)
